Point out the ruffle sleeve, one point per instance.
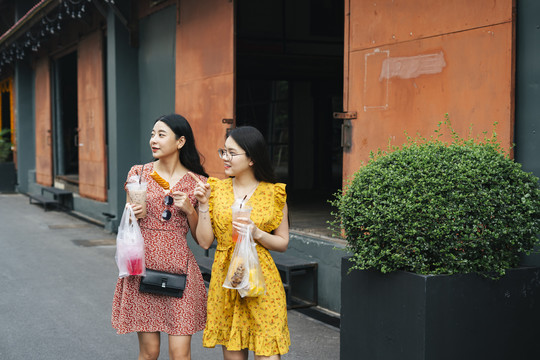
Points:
(280, 198)
(216, 195)
(213, 182)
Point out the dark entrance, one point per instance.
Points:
(5, 115)
(289, 83)
(66, 164)
(6, 111)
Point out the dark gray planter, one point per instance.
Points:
(408, 316)
(8, 177)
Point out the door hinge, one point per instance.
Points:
(346, 135)
(347, 115)
(228, 122)
(346, 128)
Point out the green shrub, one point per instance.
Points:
(433, 207)
(5, 145)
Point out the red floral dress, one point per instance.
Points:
(166, 249)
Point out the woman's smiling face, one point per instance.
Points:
(163, 141)
(236, 160)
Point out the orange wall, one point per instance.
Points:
(205, 74)
(410, 62)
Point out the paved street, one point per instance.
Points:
(57, 281)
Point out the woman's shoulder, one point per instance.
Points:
(273, 193)
(138, 168)
(135, 172)
(280, 187)
(277, 187)
(213, 181)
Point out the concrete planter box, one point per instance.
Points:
(408, 316)
(8, 177)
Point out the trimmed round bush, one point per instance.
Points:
(432, 207)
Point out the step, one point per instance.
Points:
(45, 201)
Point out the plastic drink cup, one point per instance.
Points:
(239, 210)
(135, 266)
(137, 194)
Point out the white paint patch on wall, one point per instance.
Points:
(375, 95)
(412, 66)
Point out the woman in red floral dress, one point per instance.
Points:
(164, 229)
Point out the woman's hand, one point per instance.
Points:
(277, 240)
(203, 232)
(244, 225)
(202, 190)
(137, 210)
(181, 201)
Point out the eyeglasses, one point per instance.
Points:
(167, 214)
(225, 155)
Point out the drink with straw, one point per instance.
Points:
(239, 210)
(137, 194)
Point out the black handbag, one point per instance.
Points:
(163, 283)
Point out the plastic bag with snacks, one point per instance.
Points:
(245, 272)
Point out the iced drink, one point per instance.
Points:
(137, 194)
(239, 210)
(135, 266)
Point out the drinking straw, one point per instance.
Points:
(242, 203)
(140, 176)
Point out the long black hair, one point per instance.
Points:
(252, 142)
(188, 154)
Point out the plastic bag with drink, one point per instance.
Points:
(129, 246)
(245, 272)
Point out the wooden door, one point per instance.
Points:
(205, 76)
(44, 139)
(408, 63)
(91, 113)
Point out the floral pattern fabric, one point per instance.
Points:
(256, 323)
(166, 249)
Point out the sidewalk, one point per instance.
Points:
(58, 277)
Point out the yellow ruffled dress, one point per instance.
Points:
(256, 323)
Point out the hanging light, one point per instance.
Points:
(49, 25)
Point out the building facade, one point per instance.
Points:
(325, 81)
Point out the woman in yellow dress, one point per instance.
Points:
(241, 324)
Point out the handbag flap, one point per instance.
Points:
(164, 280)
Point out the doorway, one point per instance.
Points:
(66, 150)
(289, 68)
(5, 116)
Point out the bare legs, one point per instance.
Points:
(148, 345)
(271, 357)
(234, 355)
(179, 346)
(243, 355)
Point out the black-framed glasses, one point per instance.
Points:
(167, 214)
(225, 155)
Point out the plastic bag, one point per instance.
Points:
(129, 246)
(245, 272)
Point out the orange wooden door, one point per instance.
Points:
(205, 76)
(44, 168)
(91, 113)
(408, 63)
